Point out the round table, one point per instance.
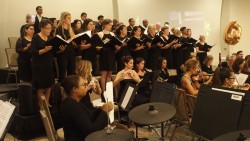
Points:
(116, 135)
(152, 113)
(233, 136)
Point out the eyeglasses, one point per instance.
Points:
(31, 28)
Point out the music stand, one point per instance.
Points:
(146, 78)
(163, 92)
(128, 96)
(217, 111)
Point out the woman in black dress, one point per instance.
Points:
(167, 48)
(66, 57)
(125, 76)
(88, 51)
(84, 69)
(137, 49)
(201, 49)
(154, 49)
(24, 51)
(42, 61)
(143, 92)
(123, 50)
(107, 53)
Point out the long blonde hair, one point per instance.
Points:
(62, 18)
(84, 69)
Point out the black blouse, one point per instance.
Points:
(44, 60)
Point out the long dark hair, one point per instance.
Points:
(138, 61)
(118, 30)
(236, 64)
(134, 30)
(85, 24)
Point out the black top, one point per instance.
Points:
(129, 30)
(202, 56)
(64, 33)
(78, 121)
(98, 27)
(40, 61)
(86, 100)
(23, 57)
(207, 69)
(107, 55)
(136, 53)
(167, 53)
(154, 52)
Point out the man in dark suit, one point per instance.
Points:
(38, 18)
(131, 22)
(98, 24)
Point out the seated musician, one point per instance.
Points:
(227, 79)
(84, 69)
(77, 119)
(189, 82)
(229, 62)
(125, 76)
(143, 92)
(161, 74)
(207, 64)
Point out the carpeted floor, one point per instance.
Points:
(181, 134)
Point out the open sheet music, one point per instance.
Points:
(109, 97)
(240, 78)
(6, 111)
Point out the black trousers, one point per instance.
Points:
(66, 65)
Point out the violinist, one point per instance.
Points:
(229, 62)
(227, 79)
(207, 64)
(188, 82)
(238, 65)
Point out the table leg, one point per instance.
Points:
(162, 131)
(136, 132)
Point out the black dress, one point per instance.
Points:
(79, 121)
(66, 60)
(24, 59)
(136, 53)
(42, 65)
(207, 69)
(124, 51)
(154, 52)
(202, 56)
(178, 57)
(167, 53)
(107, 55)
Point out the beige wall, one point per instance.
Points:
(13, 14)
(208, 17)
(239, 11)
(202, 16)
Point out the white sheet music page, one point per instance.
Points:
(6, 110)
(110, 98)
(127, 97)
(241, 78)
